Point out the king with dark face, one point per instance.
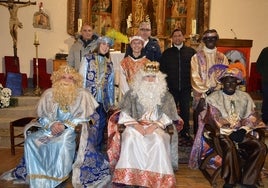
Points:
(210, 38)
(230, 80)
(229, 85)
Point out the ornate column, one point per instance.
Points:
(116, 14)
(160, 16)
(83, 8)
(89, 12)
(71, 17)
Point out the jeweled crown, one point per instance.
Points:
(151, 66)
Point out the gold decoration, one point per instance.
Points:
(151, 66)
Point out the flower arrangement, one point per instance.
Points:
(117, 36)
(5, 94)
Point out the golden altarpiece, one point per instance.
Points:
(125, 15)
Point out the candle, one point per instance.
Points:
(36, 39)
(80, 22)
(193, 26)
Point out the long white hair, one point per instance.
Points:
(149, 93)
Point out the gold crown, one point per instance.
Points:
(151, 66)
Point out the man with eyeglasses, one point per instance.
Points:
(151, 48)
(86, 42)
(202, 83)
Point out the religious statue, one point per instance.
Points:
(106, 6)
(14, 23)
(175, 9)
(139, 12)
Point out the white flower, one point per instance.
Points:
(5, 94)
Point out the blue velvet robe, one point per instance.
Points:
(48, 159)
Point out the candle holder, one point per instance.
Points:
(37, 90)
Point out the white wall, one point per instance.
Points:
(51, 41)
(248, 18)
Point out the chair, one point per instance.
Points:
(12, 64)
(121, 127)
(114, 140)
(211, 135)
(43, 76)
(19, 123)
(78, 131)
(22, 122)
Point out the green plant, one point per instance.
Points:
(117, 36)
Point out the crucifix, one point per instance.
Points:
(14, 23)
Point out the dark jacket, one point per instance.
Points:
(177, 65)
(262, 64)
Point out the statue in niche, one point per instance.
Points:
(139, 12)
(106, 6)
(175, 9)
(182, 8)
(178, 8)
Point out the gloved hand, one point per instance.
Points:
(201, 105)
(238, 136)
(208, 92)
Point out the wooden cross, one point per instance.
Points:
(14, 23)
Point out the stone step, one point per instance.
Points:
(27, 100)
(18, 112)
(4, 122)
(4, 126)
(26, 108)
(5, 137)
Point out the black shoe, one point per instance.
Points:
(226, 185)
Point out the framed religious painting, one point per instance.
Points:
(101, 16)
(41, 20)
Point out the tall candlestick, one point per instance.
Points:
(80, 22)
(37, 90)
(36, 39)
(193, 26)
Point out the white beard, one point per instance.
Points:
(150, 94)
